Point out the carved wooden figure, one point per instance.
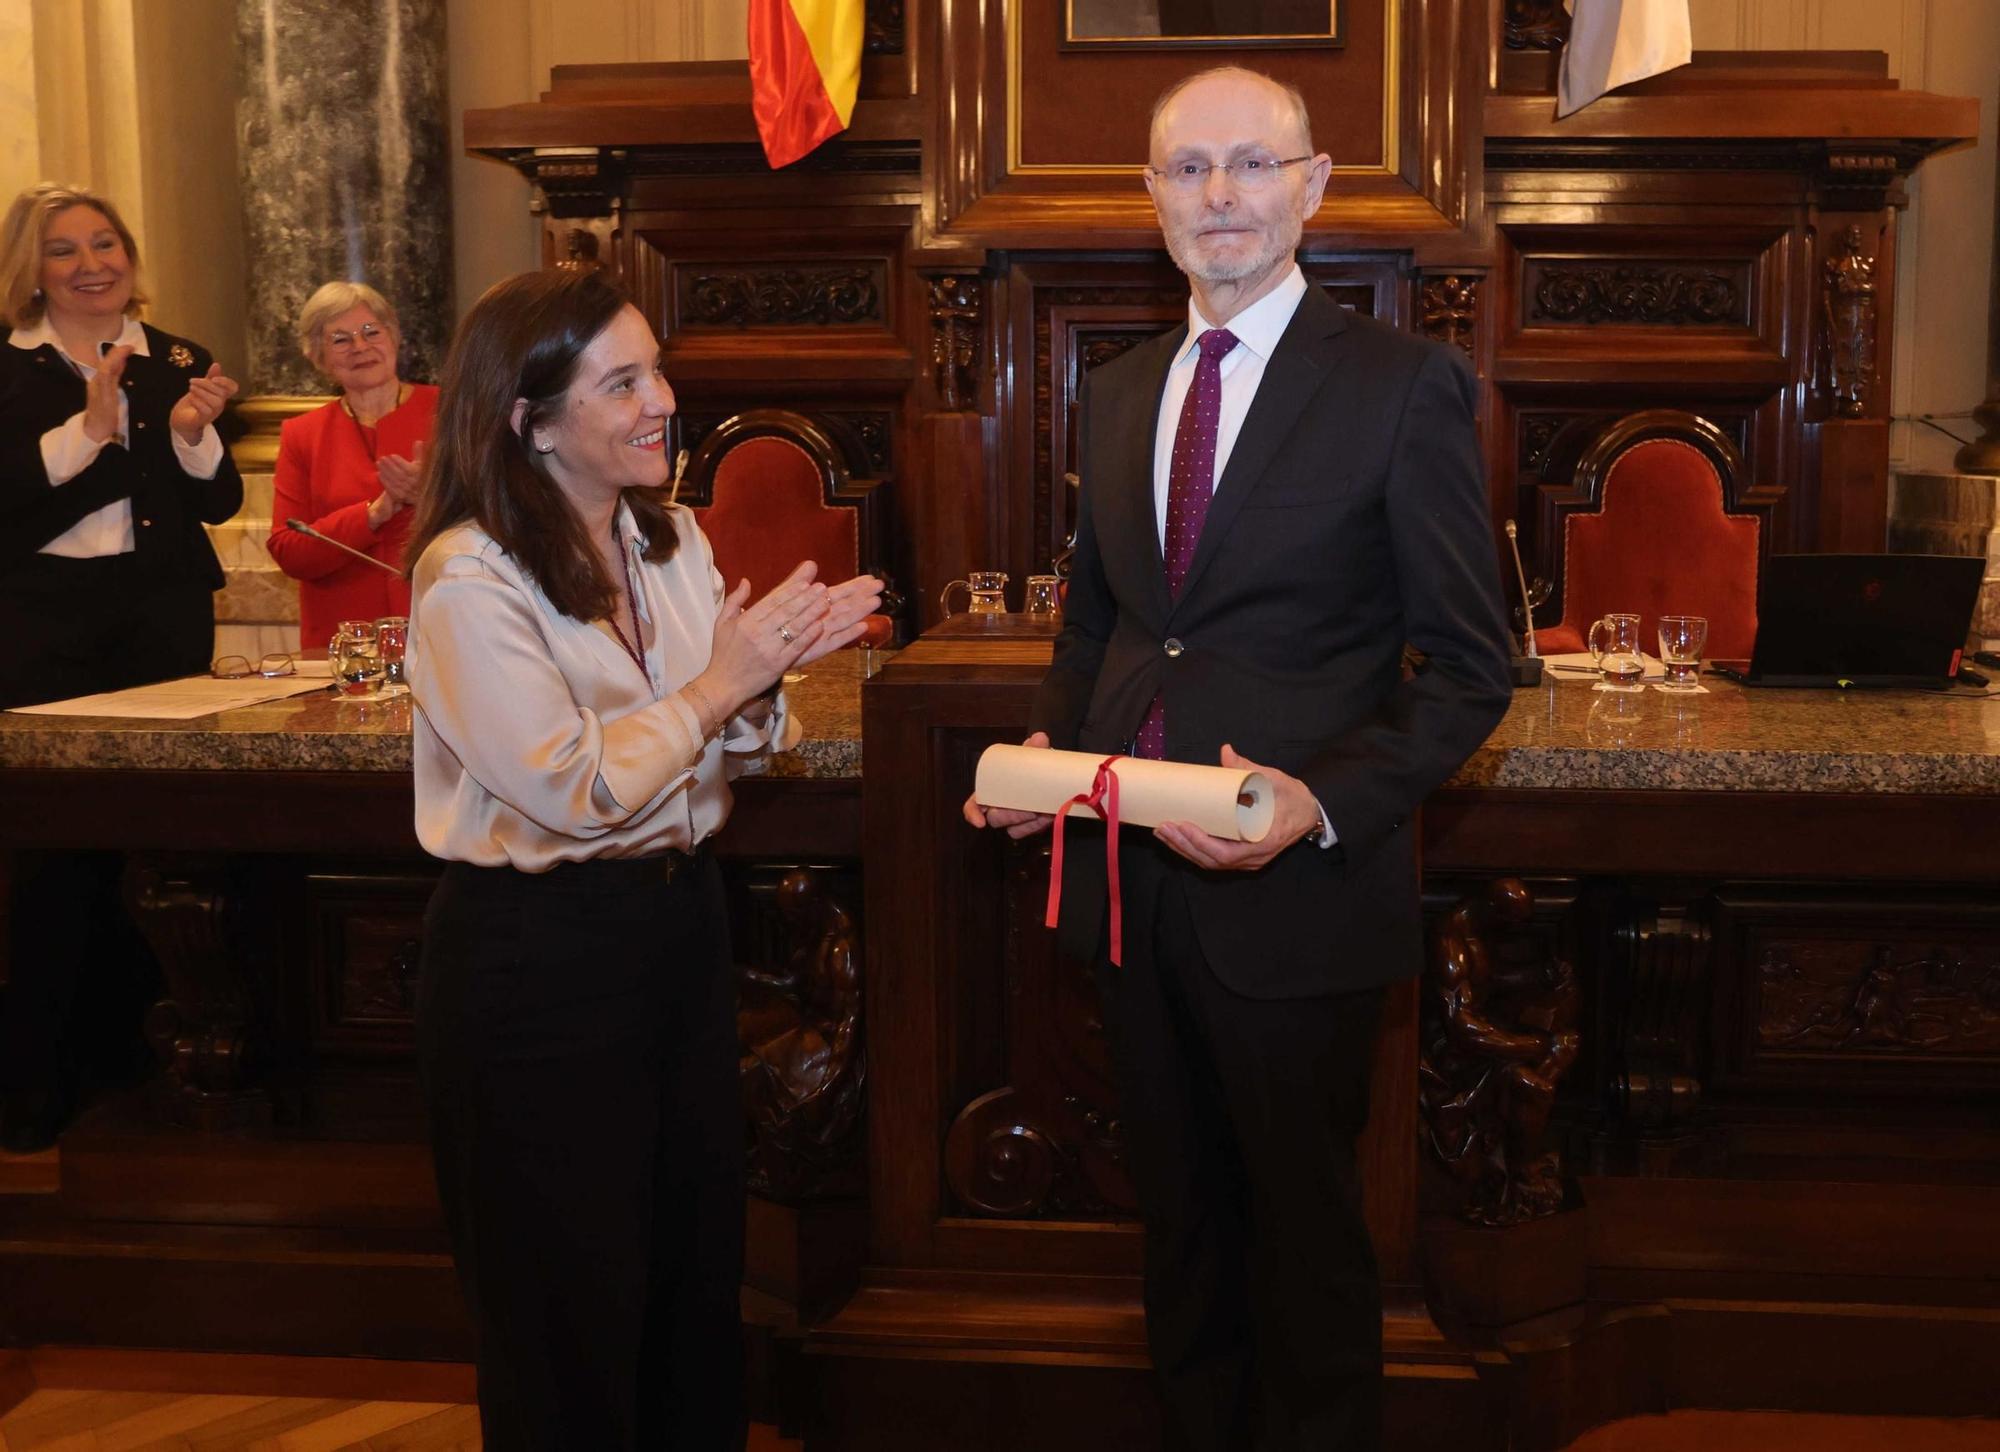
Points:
(1847, 305)
(1499, 1034)
(802, 1068)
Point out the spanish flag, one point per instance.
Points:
(805, 67)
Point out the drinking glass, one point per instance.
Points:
(1041, 598)
(1614, 649)
(355, 653)
(1681, 640)
(392, 635)
(986, 593)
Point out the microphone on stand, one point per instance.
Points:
(1527, 669)
(299, 526)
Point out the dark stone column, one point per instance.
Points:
(343, 130)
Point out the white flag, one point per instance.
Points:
(1614, 42)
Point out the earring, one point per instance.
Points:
(545, 448)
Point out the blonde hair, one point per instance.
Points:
(329, 302)
(23, 235)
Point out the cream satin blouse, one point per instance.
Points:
(536, 739)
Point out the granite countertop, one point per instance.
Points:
(1566, 734)
(1563, 735)
(323, 732)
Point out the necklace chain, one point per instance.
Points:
(632, 605)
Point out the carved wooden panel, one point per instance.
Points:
(1833, 993)
(767, 302)
(1590, 291)
(362, 960)
(714, 294)
(1722, 289)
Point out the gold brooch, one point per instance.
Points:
(179, 356)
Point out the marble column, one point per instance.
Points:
(344, 137)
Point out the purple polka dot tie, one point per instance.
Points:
(1190, 485)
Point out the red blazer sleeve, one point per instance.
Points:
(294, 496)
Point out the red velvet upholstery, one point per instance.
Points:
(769, 511)
(1660, 545)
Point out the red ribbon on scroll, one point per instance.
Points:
(1102, 798)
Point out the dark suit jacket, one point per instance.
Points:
(38, 390)
(1351, 518)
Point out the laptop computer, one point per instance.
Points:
(1862, 620)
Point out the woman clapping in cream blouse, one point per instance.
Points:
(585, 687)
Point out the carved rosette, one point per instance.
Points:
(1499, 1033)
(958, 313)
(1637, 294)
(999, 1159)
(1449, 310)
(775, 297)
(1847, 325)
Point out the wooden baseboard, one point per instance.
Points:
(189, 1373)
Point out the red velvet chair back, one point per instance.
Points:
(768, 510)
(1660, 543)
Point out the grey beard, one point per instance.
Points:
(1282, 245)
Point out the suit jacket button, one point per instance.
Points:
(1174, 648)
(145, 524)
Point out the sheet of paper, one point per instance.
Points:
(182, 700)
(1233, 805)
(1578, 666)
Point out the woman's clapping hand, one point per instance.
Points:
(798, 622)
(848, 606)
(100, 396)
(202, 404)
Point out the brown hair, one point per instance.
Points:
(523, 340)
(25, 231)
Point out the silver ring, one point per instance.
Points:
(785, 634)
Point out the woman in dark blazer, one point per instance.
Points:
(109, 463)
(109, 466)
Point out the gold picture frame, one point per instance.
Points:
(1176, 24)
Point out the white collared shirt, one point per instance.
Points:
(67, 450)
(1258, 329)
(535, 738)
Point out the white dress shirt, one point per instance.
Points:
(67, 450)
(536, 739)
(1257, 330)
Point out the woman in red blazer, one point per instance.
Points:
(351, 468)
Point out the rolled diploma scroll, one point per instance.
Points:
(1233, 805)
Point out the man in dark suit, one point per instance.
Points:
(1275, 500)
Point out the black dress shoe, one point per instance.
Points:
(31, 1120)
